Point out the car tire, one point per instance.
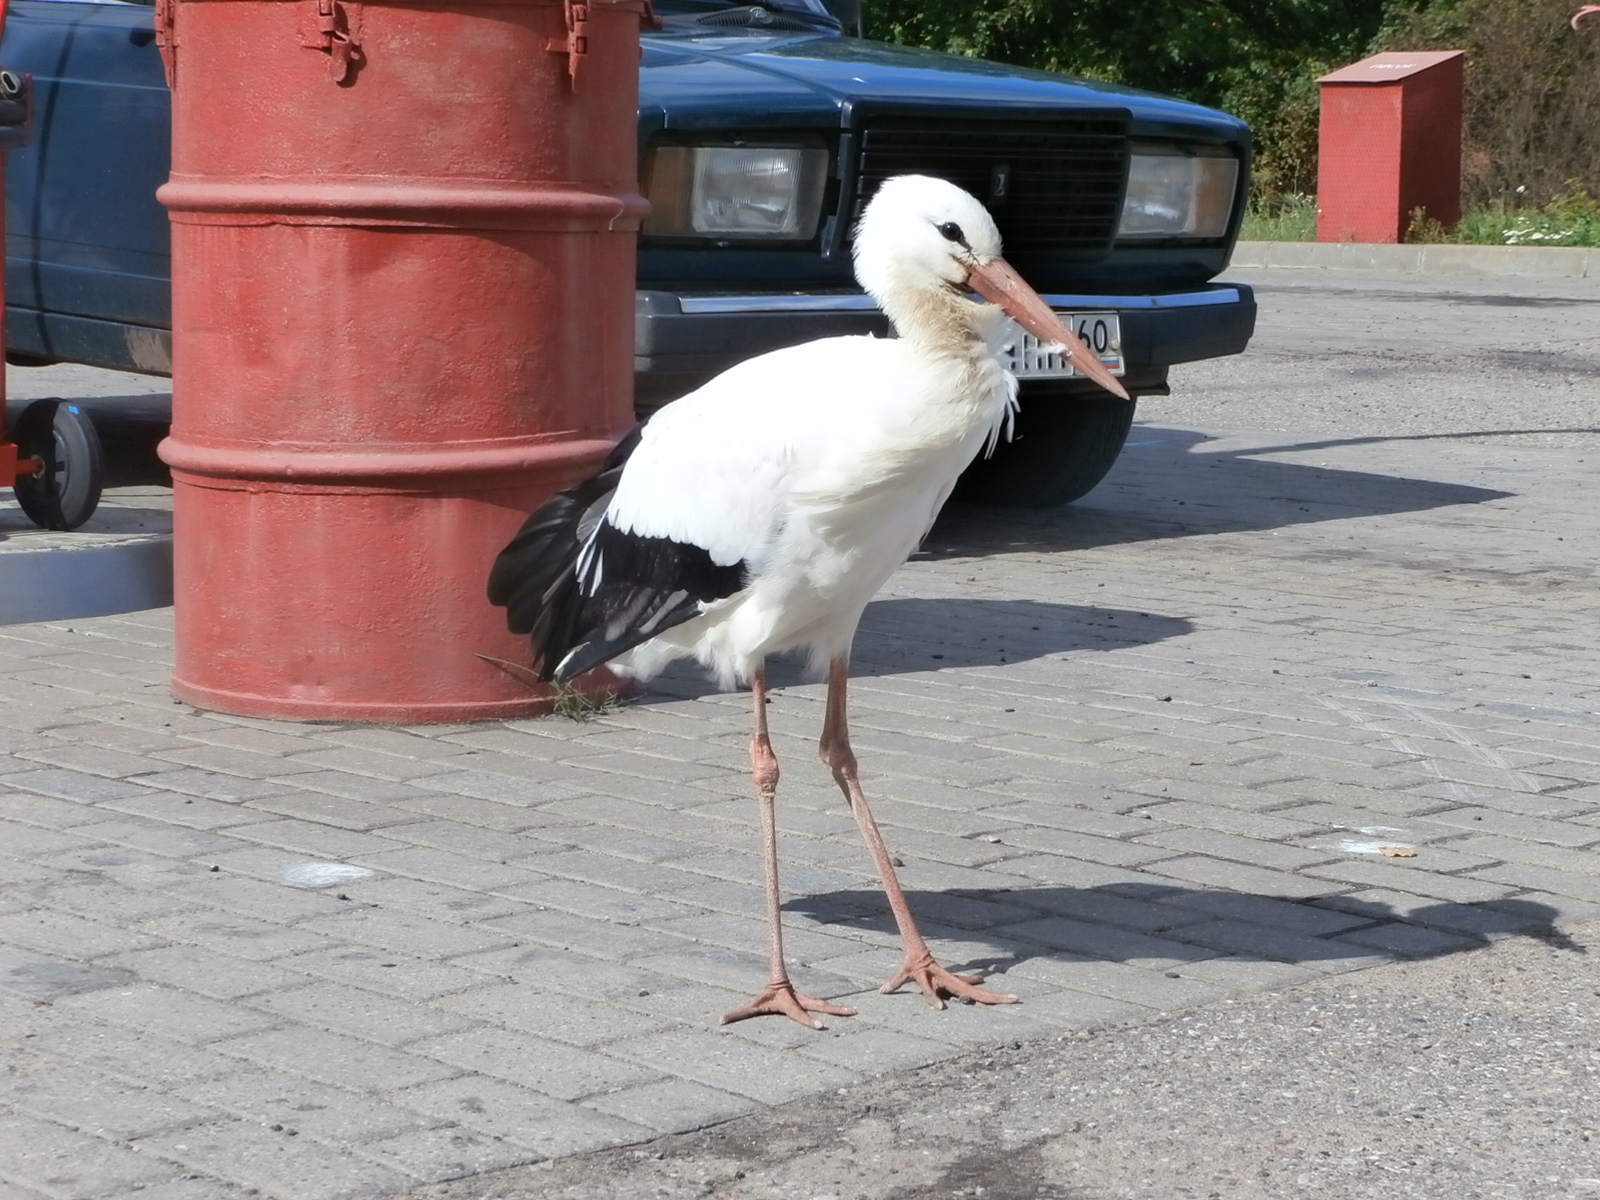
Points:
(68, 492)
(1062, 446)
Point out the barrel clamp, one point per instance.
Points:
(334, 28)
(576, 44)
(166, 43)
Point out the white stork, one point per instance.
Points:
(762, 512)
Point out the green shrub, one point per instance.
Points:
(1570, 219)
(1279, 99)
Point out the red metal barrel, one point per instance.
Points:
(403, 263)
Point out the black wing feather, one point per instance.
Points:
(529, 575)
(633, 587)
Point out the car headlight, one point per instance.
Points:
(1175, 194)
(767, 193)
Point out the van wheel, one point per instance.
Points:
(1063, 445)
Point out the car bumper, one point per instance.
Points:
(681, 340)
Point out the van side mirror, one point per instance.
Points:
(848, 13)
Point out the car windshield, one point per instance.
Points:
(814, 10)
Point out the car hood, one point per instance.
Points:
(694, 78)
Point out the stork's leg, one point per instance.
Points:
(779, 997)
(919, 964)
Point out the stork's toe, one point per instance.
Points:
(781, 1000)
(938, 983)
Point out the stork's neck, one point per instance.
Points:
(939, 321)
(956, 337)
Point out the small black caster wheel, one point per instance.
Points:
(65, 494)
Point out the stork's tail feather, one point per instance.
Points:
(535, 576)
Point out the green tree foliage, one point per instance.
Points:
(1188, 50)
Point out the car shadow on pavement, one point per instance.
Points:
(1162, 927)
(1334, 443)
(1165, 486)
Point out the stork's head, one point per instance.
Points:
(922, 236)
(922, 232)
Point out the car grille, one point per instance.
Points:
(1054, 187)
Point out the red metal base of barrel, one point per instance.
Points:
(403, 316)
(307, 629)
(278, 708)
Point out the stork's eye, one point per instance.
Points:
(952, 232)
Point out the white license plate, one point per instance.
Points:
(1023, 355)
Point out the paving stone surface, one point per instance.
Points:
(1147, 753)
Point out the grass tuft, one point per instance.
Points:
(575, 705)
(1285, 219)
(1571, 219)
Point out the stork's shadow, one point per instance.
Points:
(905, 634)
(902, 635)
(1155, 923)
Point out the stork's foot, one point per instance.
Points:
(781, 1000)
(937, 983)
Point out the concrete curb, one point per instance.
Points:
(1533, 262)
(57, 583)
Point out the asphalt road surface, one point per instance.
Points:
(1346, 579)
(1350, 354)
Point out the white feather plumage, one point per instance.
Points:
(821, 467)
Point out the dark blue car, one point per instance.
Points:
(763, 129)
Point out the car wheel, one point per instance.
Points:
(1062, 446)
(67, 492)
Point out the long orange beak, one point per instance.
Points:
(999, 283)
